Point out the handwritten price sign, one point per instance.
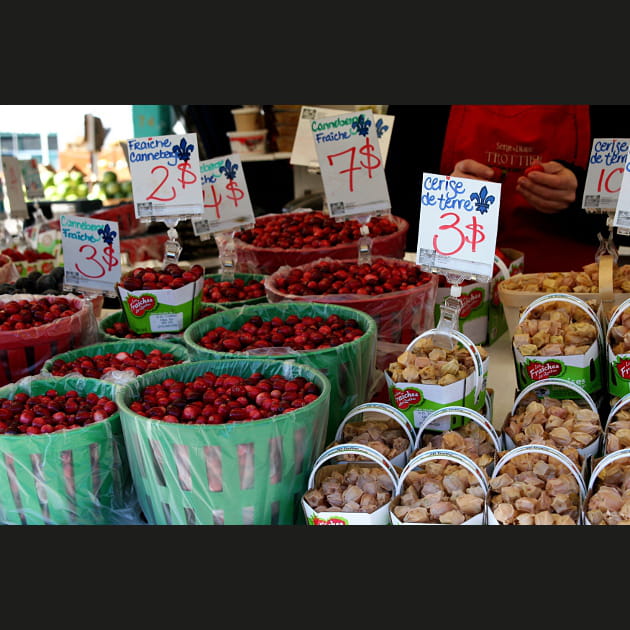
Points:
(226, 203)
(304, 152)
(165, 176)
(13, 182)
(605, 172)
(458, 225)
(351, 165)
(91, 253)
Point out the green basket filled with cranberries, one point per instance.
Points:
(228, 442)
(116, 361)
(338, 340)
(62, 455)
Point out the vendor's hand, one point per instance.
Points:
(551, 190)
(473, 170)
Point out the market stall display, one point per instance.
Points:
(295, 331)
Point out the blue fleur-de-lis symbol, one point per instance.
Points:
(482, 200)
(182, 150)
(362, 125)
(107, 233)
(229, 169)
(381, 128)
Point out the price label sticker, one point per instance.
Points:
(351, 165)
(458, 225)
(32, 180)
(165, 176)
(14, 187)
(605, 173)
(304, 152)
(621, 219)
(91, 253)
(226, 203)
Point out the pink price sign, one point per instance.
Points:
(458, 225)
(165, 176)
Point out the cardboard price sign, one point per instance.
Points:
(165, 176)
(226, 203)
(91, 253)
(14, 191)
(605, 173)
(350, 161)
(304, 152)
(458, 226)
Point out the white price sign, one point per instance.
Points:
(458, 225)
(14, 191)
(32, 180)
(351, 165)
(165, 176)
(226, 203)
(91, 253)
(304, 152)
(605, 172)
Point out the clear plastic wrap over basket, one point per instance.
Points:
(266, 260)
(350, 367)
(241, 473)
(24, 352)
(72, 477)
(400, 315)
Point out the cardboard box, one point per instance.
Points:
(162, 310)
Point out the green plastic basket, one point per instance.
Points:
(119, 316)
(244, 473)
(247, 277)
(350, 367)
(74, 477)
(179, 352)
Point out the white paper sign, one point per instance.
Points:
(226, 203)
(13, 183)
(32, 180)
(304, 152)
(91, 253)
(458, 225)
(351, 165)
(165, 176)
(605, 172)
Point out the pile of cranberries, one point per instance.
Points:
(52, 411)
(138, 361)
(172, 276)
(298, 333)
(336, 277)
(298, 230)
(24, 313)
(28, 254)
(237, 290)
(224, 398)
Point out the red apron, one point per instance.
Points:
(511, 137)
